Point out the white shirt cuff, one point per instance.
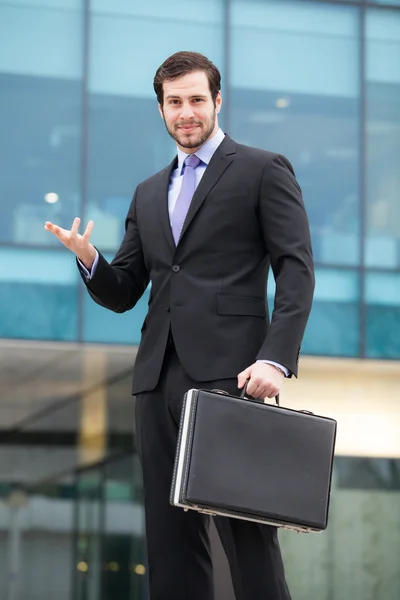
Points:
(89, 274)
(277, 365)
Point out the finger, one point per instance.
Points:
(252, 387)
(243, 377)
(264, 391)
(258, 393)
(241, 381)
(49, 226)
(55, 230)
(269, 390)
(88, 231)
(75, 227)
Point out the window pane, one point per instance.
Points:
(40, 114)
(333, 327)
(38, 295)
(123, 539)
(102, 325)
(387, 2)
(127, 138)
(294, 69)
(382, 244)
(382, 296)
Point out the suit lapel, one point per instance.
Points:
(162, 201)
(220, 161)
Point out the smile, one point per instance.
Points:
(188, 128)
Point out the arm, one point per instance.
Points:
(287, 237)
(119, 285)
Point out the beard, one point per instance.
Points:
(192, 139)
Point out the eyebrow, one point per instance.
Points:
(172, 96)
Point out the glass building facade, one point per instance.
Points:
(318, 81)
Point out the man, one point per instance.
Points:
(204, 231)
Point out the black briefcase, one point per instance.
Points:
(243, 458)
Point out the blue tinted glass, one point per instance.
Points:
(127, 138)
(382, 296)
(294, 76)
(40, 116)
(38, 295)
(39, 311)
(382, 243)
(102, 325)
(333, 327)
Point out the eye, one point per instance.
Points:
(174, 101)
(199, 100)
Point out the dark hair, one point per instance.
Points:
(182, 63)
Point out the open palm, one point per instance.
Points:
(78, 244)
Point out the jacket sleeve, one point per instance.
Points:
(120, 284)
(287, 237)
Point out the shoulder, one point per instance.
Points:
(154, 179)
(265, 159)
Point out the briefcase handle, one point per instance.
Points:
(244, 390)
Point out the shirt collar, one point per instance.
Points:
(205, 152)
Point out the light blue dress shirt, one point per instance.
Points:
(205, 153)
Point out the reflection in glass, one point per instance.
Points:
(357, 556)
(40, 119)
(382, 296)
(387, 2)
(88, 535)
(333, 328)
(294, 90)
(38, 293)
(35, 542)
(124, 571)
(382, 244)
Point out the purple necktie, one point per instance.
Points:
(185, 195)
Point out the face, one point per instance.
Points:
(189, 113)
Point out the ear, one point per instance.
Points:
(218, 102)
(160, 109)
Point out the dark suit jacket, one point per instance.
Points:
(210, 289)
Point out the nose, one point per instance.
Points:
(187, 111)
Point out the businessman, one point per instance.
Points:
(204, 231)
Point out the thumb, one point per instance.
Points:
(243, 376)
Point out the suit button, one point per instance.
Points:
(167, 309)
(175, 268)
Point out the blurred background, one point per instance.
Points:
(318, 81)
